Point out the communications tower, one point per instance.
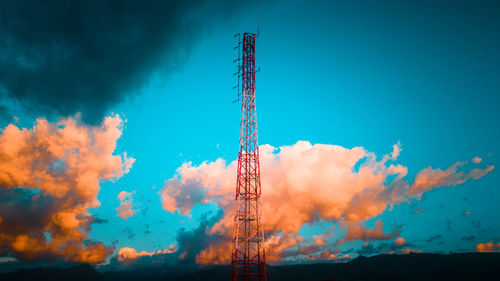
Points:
(248, 260)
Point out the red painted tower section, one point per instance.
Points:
(248, 260)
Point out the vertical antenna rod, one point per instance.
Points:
(248, 260)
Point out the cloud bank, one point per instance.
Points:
(303, 184)
(49, 179)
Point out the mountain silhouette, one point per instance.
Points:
(466, 266)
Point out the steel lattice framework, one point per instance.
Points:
(248, 260)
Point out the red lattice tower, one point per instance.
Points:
(248, 260)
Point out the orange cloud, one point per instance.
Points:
(219, 253)
(416, 212)
(477, 160)
(125, 209)
(128, 256)
(276, 245)
(429, 178)
(408, 251)
(356, 232)
(305, 183)
(488, 247)
(328, 255)
(319, 240)
(50, 176)
(399, 242)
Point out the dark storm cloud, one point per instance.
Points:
(433, 238)
(192, 242)
(4, 113)
(129, 233)
(368, 249)
(29, 213)
(468, 238)
(21, 214)
(97, 220)
(67, 56)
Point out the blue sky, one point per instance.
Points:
(368, 77)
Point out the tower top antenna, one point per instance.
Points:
(258, 20)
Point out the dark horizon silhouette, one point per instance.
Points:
(413, 266)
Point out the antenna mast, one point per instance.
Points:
(248, 259)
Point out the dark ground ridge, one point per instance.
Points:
(465, 266)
